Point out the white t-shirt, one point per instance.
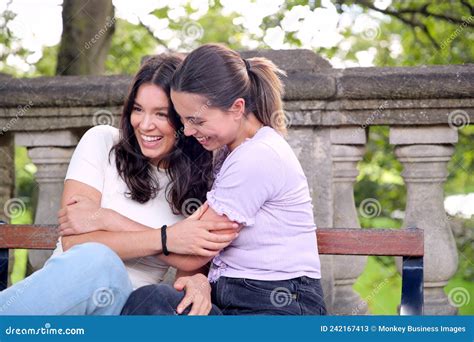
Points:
(90, 165)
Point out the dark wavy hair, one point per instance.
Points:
(188, 165)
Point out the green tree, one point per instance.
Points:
(10, 44)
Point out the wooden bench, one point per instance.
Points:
(407, 243)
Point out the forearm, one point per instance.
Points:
(116, 222)
(186, 263)
(127, 245)
(192, 263)
(203, 270)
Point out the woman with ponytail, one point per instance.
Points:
(233, 106)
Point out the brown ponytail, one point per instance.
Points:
(222, 76)
(266, 93)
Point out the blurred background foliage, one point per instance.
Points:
(369, 33)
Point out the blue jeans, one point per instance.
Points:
(88, 279)
(237, 296)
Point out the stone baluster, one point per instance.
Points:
(424, 153)
(348, 145)
(51, 153)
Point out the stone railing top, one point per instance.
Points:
(310, 77)
(64, 91)
(316, 94)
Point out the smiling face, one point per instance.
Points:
(149, 119)
(212, 127)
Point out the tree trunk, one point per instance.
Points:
(88, 28)
(87, 32)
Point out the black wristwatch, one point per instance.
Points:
(163, 240)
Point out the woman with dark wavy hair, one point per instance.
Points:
(146, 173)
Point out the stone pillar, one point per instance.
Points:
(313, 149)
(348, 145)
(7, 183)
(51, 153)
(424, 153)
(320, 179)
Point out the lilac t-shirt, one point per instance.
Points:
(261, 185)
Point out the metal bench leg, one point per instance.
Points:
(3, 266)
(412, 286)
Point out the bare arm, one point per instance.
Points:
(192, 263)
(126, 244)
(129, 239)
(203, 270)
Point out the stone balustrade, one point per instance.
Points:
(329, 112)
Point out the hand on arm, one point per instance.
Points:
(137, 244)
(130, 239)
(194, 262)
(197, 236)
(81, 212)
(81, 208)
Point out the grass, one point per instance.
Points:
(380, 286)
(462, 294)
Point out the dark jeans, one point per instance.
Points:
(236, 296)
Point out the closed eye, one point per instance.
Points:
(193, 121)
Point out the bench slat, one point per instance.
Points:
(383, 242)
(28, 236)
(343, 241)
(340, 241)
